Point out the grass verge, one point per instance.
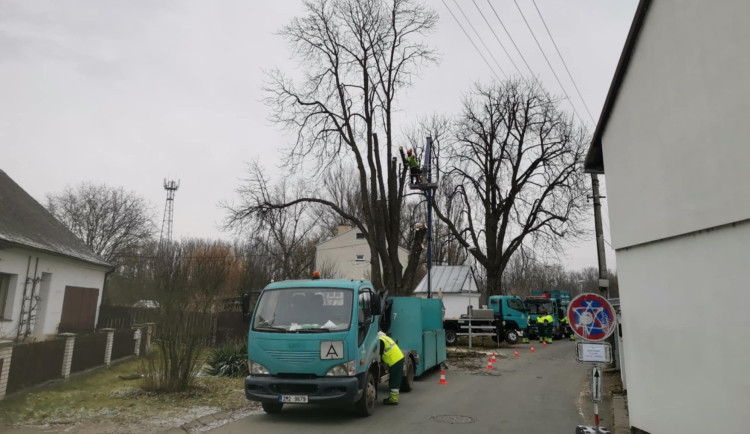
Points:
(107, 396)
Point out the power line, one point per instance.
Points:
(548, 62)
(511, 39)
(480, 38)
(497, 38)
(563, 61)
(472, 41)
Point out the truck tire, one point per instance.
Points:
(407, 383)
(450, 337)
(365, 406)
(511, 337)
(272, 407)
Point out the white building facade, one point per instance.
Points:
(673, 143)
(50, 282)
(347, 255)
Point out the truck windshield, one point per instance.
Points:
(535, 307)
(304, 310)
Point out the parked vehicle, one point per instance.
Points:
(534, 307)
(315, 341)
(504, 320)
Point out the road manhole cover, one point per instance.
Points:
(452, 419)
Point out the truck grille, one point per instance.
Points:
(294, 389)
(294, 357)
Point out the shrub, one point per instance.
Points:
(228, 360)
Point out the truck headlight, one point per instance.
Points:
(342, 370)
(256, 368)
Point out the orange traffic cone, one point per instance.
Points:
(516, 355)
(489, 365)
(532, 349)
(545, 344)
(442, 377)
(493, 359)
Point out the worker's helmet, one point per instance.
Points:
(408, 151)
(316, 275)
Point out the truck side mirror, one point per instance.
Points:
(246, 307)
(375, 306)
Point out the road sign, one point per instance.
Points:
(593, 353)
(591, 317)
(596, 384)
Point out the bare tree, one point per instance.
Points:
(515, 174)
(108, 219)
(288, 235)
(357, 56)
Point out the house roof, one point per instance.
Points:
(594, 162)
(26, 223)
(451, 278)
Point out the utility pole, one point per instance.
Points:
(603, 282)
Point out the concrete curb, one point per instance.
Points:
(620, 420)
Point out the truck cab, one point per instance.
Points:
(511, 310)
(534, 307)
(315, 342)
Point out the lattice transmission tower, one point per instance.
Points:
(166, 224)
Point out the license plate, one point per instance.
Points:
(293, 399)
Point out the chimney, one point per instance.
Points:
(343, 229)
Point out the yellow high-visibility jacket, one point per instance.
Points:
(391, 352)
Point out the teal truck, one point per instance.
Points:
(553, 307)
(511, 312)
(506, 320)
(315, 342)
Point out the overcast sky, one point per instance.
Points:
(128, 93)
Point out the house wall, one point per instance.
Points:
(675, 148)
(675, 156)
(684, 304)
(59, 272)
(341, 253)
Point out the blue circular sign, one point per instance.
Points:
(592, 317)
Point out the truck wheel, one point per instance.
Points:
(408, 381)
(511, 337)
(450, 337)
(272, 407)
(366, 404)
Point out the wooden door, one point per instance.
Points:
(79, 309)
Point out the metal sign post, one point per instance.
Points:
(593, 319)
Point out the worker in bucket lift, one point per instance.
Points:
(544, 320)
(392, 356)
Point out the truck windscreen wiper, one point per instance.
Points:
(271, 328)
(313, 330)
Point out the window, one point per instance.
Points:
(516, 304)
(360, 236)
(5, 306)
(360, 258)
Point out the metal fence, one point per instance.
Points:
(123, 344)
(35, 363)
(88, 351)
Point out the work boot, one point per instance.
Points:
(392, 398)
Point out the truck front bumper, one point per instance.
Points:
(320, 390)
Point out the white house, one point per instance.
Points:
(347, 255)
(673, 142)
(455, 284)
(50, 281)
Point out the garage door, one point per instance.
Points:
(79, 309)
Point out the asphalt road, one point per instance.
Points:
(536, 393)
